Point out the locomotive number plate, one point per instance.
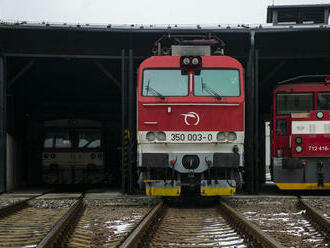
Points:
(192, 137)
(319, 148)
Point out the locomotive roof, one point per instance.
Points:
(303, 87)
(307, 79)
(305, 83)
(167, 61)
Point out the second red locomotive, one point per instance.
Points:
(300, 135)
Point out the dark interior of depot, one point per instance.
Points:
(44, 89)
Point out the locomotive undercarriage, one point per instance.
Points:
(169, 182)
(301, 173)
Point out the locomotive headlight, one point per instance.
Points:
(186, 61)
(221, 136)
(150, 136)
(319, 115)
(299, 149)
(161, 136)
(46, 155)
(298, 140)
(195, 61)
(232, 136)
(93, 156)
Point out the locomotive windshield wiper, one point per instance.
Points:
(210, 90)
(148, 87)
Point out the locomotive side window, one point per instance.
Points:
(281, 127)
(217, 83)
(323, 101)
(288, 103)
(89, 139)
(163, 83)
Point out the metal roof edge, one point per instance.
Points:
(284, 6)
(172, 28)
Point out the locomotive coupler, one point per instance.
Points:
(191, 174)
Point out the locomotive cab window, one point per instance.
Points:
(57, 139)
(287, 103)
(323, 101)
(164, 83)
(218, 83)
(89, 139)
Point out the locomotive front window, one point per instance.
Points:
(323, 101)
(287, 103)
(218, 83)
(57, 139)
(89, 139)
(163, 83)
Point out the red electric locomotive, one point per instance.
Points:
(300, 133)
(190, 121)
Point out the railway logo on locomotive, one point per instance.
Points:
(192, 116)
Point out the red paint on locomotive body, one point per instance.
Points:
(300, 136)
(190, 123)
(284, 145)
(170, 113)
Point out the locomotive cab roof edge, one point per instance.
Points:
(325, 79)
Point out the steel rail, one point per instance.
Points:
(316, 216)
(248, 227)
(7, 210)
(59, 228)
(133, 238)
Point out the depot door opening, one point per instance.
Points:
(63, 122)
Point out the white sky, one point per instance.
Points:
(142, 11)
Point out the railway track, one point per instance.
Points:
(290, 221)
(10, 205)
(104, 225)
(85, 223)
(27, 223)
(216, 226)
(68, 223)
(317, 217)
